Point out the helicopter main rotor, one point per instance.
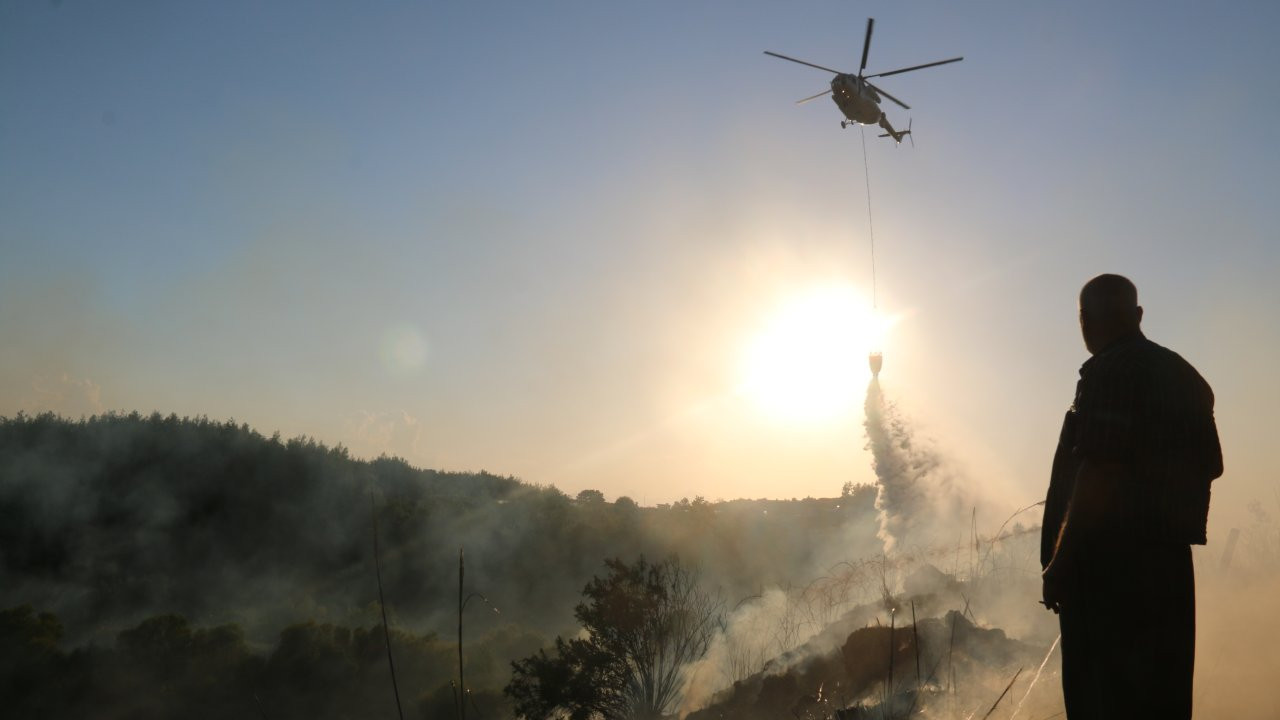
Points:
(861, 77)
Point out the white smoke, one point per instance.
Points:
(63, 394)
(396, 433)
(759, 629)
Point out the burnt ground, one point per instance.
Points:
(826, 678)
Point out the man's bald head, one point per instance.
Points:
(1109, 311)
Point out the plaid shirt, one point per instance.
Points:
(1143, 408)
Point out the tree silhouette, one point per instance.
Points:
(590, 497)
(644, 623)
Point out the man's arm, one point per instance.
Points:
(1088, 512)
(1062, 477)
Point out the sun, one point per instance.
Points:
(807, 364)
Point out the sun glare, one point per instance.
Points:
(808, 362)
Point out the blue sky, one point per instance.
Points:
(534, 238)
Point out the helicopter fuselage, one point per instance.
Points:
(859, 102)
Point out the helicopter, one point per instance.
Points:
(856, 97)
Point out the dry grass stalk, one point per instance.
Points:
(951, 668)
(382, 605)
(1007, 688)
(996, 538)
(888, 688)
(1036, 679)
(915, 640)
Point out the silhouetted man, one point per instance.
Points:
(1128, 496)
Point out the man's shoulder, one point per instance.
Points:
(1164, 371)
(1142, 366)
(1158, 357)
(1145, 355)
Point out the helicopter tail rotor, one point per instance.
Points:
(897, 136)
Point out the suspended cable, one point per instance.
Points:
(866, 171)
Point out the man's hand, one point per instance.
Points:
(1054, 578)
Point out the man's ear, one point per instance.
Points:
(1139, 314)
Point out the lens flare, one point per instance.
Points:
(403, 350)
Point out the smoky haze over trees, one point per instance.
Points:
(165, 667)
(152, 567)
(258, 551)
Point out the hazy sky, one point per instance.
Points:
(536, 238)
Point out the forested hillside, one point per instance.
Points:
(109, 522)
